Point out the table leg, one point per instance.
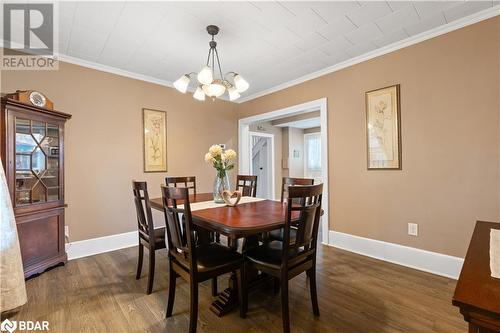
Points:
(227, 300)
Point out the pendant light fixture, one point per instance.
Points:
(208, 84)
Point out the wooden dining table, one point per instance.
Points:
(246, 220)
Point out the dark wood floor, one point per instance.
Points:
(356, 294)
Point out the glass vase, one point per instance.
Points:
(221, 184)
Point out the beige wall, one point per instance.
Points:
(295, 145)
(450, 140)
(104, 142)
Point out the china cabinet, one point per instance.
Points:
(32, 152)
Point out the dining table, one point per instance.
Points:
(250, 218)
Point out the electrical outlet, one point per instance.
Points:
(412, 229)
(66, 231)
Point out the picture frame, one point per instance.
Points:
(383, 128)
(154, 130)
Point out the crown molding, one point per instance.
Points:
(455, 25)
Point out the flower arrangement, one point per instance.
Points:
(221, 160)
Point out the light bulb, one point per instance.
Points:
(205, 76)
(182, 83)
(240, 83)
(233, 93)
(215, 89)
(199, 94)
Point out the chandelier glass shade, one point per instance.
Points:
(208, 84)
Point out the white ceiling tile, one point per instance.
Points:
(397, 5)
(465, 9)
(306, 23)
(363, 34)
(331, 11)
(85, 48)
(336, 27)
(427, 23)
(404, 16)
(67, 8)
(368, 12)
(311, 41)
(360, 49)
(429, 8)
(336, 45)
(392, 37)
(98, 16)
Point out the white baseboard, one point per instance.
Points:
(432, 262)
(89, 247)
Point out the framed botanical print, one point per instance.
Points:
(154, 123)
(383, 128)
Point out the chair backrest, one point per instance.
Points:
(180, 241)
(187, 182)
(307, 225)
(145, 223)
(248, 185)
(289, 181)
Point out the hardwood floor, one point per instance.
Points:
(356, 294)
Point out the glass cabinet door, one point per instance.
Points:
(37, 162)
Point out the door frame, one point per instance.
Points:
(270, 159)
(244, 145)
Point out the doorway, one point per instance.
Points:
(245, 141)
(262, 163)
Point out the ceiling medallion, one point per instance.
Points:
(208, 84)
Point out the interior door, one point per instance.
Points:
(260, 164)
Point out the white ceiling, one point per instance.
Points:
(269, 43)
(303, 123)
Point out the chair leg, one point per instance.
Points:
(139, 261)
(314, 294)
(171, 291)
(214, 286)
(193, 307)
(242, 290)
(285, 316)
(151, 275)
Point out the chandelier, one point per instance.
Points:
(208, 84)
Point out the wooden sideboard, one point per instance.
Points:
(32, 153)
(477, 294)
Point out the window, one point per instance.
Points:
(312, 143)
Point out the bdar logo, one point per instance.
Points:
(9, 326)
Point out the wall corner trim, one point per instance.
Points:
(427, 261)
(92, 246)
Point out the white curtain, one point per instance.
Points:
(12, 287)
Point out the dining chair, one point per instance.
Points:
(194, 263)
(150, 237)
(286, 259)
(285, 184)
(247, 185)
(187, 182)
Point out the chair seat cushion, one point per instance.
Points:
(212, 257)
(269, 254)
(278, 234)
